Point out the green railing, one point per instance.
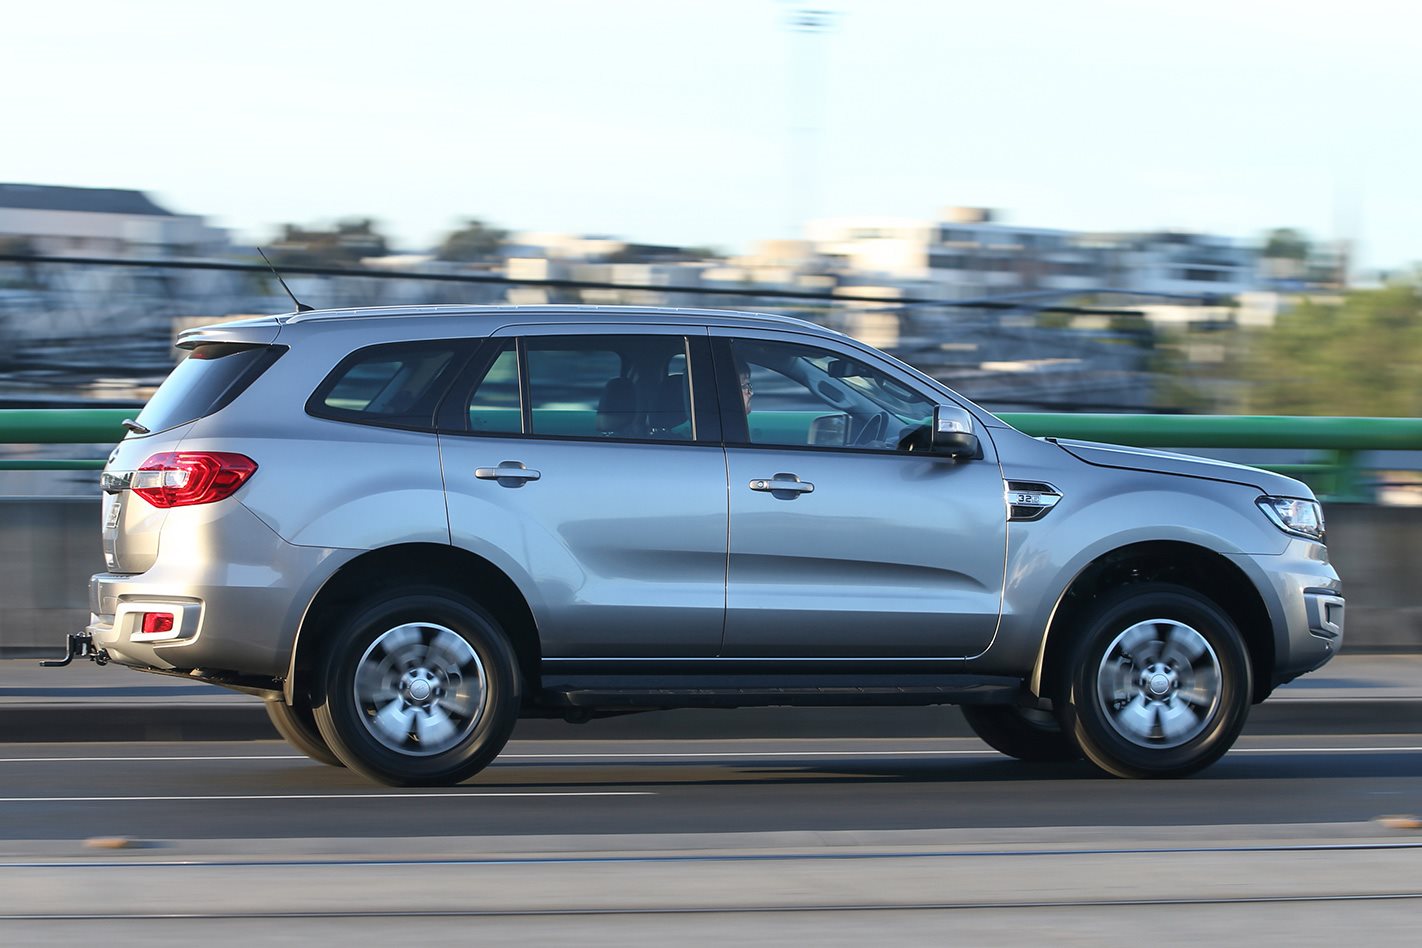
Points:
(1336, 474)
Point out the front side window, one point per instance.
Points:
(805, 396)
(397, 385)
(596, 386)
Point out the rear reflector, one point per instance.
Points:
(184, 478)
(155, 622)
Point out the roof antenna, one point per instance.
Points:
(300, 306)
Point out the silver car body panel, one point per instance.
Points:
(1168, 462)
(245, 589)
(1106, 509)
(890, 556)
(620, 548)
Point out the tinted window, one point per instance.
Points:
(393, 385)
(806, 396)
(495, 404)
(209, 378)
(610, 387)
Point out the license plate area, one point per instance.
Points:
(111, 519)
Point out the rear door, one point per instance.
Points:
(586, 463)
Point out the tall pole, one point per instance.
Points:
(806, 25)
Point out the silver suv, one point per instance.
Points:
(405, 528)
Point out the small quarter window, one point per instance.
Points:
(396, 385)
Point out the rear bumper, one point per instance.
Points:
(236, 593)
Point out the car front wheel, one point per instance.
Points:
(1159, 682)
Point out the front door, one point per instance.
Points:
(844, 540)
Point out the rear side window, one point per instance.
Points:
(596, 386)
(395, 385)
(207, 380)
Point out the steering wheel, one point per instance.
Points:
(873, 430)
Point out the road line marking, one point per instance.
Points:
(714, 755)
(986, 752)
(793, 908)
(1322, 750)
(110, 760)
(833, 855)
(335, 796)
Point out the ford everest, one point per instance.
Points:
(407, 527)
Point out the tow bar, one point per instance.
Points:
(78, 645)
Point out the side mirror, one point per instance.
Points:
(952, 433)
(830, 430)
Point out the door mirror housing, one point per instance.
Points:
(832, 430)
(952, 434)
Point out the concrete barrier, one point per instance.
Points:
(1378, 553)
(50, 546)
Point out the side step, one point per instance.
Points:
(763, 691)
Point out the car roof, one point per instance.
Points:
(499, 316)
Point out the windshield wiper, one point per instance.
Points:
(134, 426)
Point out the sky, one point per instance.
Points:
(709, 122)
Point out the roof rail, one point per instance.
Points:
(566, 310)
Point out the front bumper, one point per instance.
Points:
(1307, 606)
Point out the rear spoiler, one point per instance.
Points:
(260, 331)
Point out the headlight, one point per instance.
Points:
(1302, 518)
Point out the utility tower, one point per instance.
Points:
(807, 26)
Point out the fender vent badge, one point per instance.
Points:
(1030, 500)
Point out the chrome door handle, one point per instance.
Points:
(508, 474)
(787, 485)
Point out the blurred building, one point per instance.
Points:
(969, 253)
(100, 222)
(1178, 264)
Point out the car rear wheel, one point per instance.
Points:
(1024, 733)
(421, 689)
(297, 726)
(1159, 683)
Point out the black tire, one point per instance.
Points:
(1141, 638)
(1024, 733)
(297, 726)
(469, 701)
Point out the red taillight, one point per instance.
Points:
(184, 478)
(156, 622)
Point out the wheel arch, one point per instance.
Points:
(425, 564)
(1208, 572)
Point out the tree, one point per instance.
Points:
(1359, 354)
(476, 240)
(1286, 243)
(350, 242)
